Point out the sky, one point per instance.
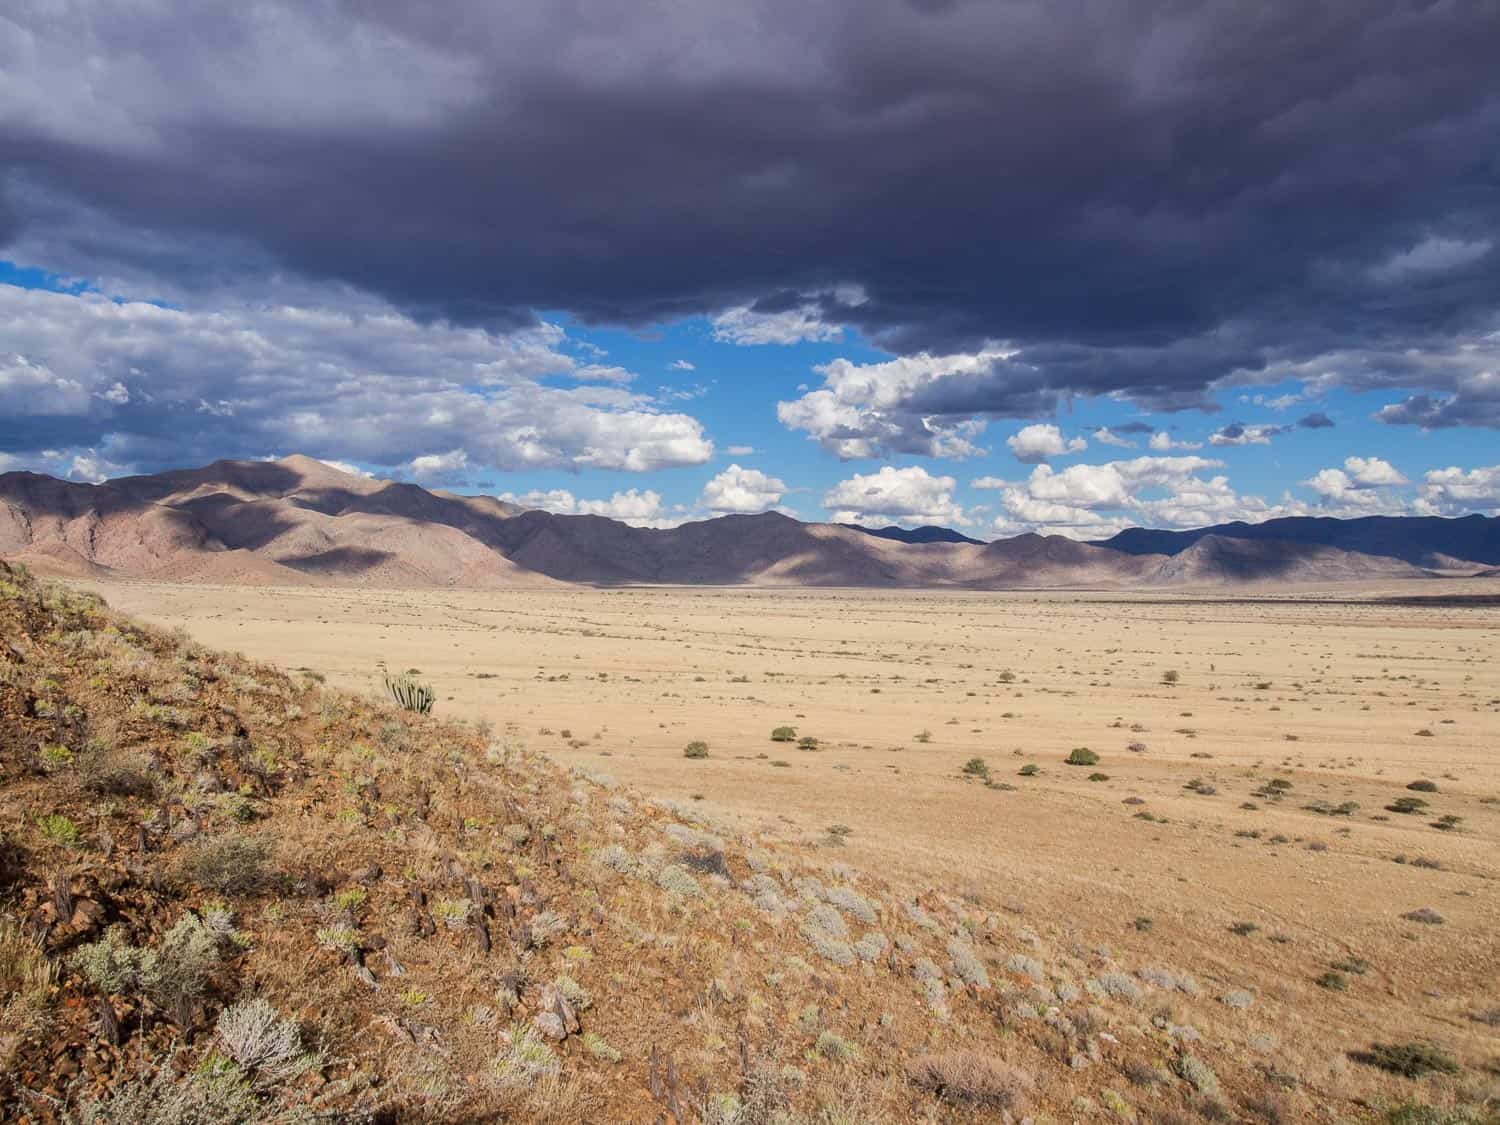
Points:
(1045, 265)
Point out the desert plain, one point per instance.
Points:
(1237, 823)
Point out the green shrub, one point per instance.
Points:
(1030, 769)
(807, 742)
(229, 864)
(975, 767)
(1083, 756)
(59, 830)
(784, 734)
(1412, 1060)
(695, 750)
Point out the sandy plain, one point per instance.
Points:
(1344, 693)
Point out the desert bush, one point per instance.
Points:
(410, 694)
(1423, 786)
(676, 879)
(1170, 676)
(117, 774)
(255, 1036)
(784, 734)
(1197, 1074)
(1407, 805)
(975, 767)
(1410, 1060)
(967, 966)
(807, 742)
(971, 1078)
(1082, 756)
(695, 750)
(174, 975)
(58, 829)
(1030, 769)
(26, 979)
(1425, 915)
(228, 864)
(212, 1093)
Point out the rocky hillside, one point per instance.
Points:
(230, 895)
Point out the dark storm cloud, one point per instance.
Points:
(1142, 197)
(1316, 421)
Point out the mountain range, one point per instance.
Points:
(301, 521)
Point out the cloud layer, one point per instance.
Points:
(1215, 192)
(361, 382)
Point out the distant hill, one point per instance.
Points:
(1426, 541)
(300, 521)
(1219, 559)
(924, 534)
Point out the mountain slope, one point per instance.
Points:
(230, 895)
(1419, 540)
(927, 533)
(1218, 559)
(301, 521)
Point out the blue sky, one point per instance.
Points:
(1096, 464)
(1007, 267)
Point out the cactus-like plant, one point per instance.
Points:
(411, 694)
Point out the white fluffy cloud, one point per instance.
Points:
(1455, 491)
(1163, 442)
(354, 381)
(1039, 441)
(1095, 501)
(861, 410)
(747, 325)
(1356, 484)
(910, 495)
(1237, 434)
(742, 490)
(1106, 436)
(743, 325)
(637, 507)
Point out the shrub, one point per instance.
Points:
(174, 975)
(784, 734)
(1030, 769)
(255, 1036)
(1407, 805)
(695, 750)
(59, 830)
(117, 774)
(971, 1078)
(229, 864)
(26, 978)
(1411, 1060)
(967, 966)
(1098, 777)
(1170, 676)
(1243, 929)
(1083, 756)
(1426, 915)
(975, 767)
(1423, 786)
(807, 742)
(410, 694)
(1334, 982)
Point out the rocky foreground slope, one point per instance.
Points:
(230, 895)
(301, 521)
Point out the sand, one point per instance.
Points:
(903, 688)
